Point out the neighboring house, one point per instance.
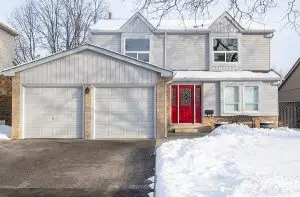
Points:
(289, 89)
(139, 80)
(7, 42)
(289, 98)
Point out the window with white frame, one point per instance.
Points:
(251, 98)
(138, 48)
(225, 49)
(232, 99)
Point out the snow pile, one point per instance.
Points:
(5, 132)
(233, 161)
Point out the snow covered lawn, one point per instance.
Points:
(5, 132)
(233, 160)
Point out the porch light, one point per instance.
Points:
(87, 90)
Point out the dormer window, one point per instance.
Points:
(225, 49)
(138, 48)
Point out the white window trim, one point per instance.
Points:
(138, 52)
(213, 52)
(239, 103)
(258, 103)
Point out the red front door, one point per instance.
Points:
(186, 104)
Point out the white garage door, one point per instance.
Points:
(124, 113)
(53, 112)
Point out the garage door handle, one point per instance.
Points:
(52, 118)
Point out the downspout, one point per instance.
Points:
(165, 50)
(166, 86)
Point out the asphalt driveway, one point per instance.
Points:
(76, 168)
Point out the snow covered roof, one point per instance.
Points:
(166, 24)
(225, 75)
(115, 24)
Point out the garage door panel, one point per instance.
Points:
(132, 118)
(146, 118)
(53, 112)
(117, 117)
(132, 132)
(124, 112)
(117, 92)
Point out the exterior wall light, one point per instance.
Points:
(87, 90)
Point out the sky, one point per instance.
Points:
(285, 45)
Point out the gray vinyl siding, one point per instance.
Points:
(187, 52)
(7, 42)
(136, 26)
(211, 97)
(87, 67)
(157, 50)
(107, 41)
(290, 90)
(255, 52)
(268, 98)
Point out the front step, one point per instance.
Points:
(190, 129)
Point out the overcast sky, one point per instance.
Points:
(285, 45)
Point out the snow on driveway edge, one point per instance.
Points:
(5, 132)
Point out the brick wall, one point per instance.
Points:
(5, 99)
(160, 106)
(87, 114)
(210, 121)
(16, 106)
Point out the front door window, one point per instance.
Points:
(186, 96)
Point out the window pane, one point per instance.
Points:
(134, 55)
(198, 95)
(219, 57)
(232, 107)
(225, 44)
(251, 107)
(174, 96)
(186, 96)
(251, 94)
(231, 57)
(137, 45)
(231, 94)
(144, 57)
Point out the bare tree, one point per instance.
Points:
(77, 18)
(251, 10)
(49, 13)
(25, 21)
(54, 25)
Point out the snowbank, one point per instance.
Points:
(5, 132)
(233, 161)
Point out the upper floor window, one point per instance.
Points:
(225, 49)
(138, 48)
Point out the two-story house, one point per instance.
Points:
(140, 78)
(7, 42)
(220, 66)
